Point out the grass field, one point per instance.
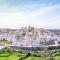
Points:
(35, 58)
(9, 54)
(5, 42)
(11, 57)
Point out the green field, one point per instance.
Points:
(11, 57)
(5, 42)
(7, 54)
(35, 58)
(10, 54)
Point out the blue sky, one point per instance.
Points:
(38, 13)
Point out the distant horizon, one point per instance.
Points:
(27, 26)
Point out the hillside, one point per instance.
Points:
(56, 31)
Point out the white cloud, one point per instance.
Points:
(10, 19)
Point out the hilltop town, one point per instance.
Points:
(29, 37)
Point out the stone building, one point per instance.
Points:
(28, 36)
